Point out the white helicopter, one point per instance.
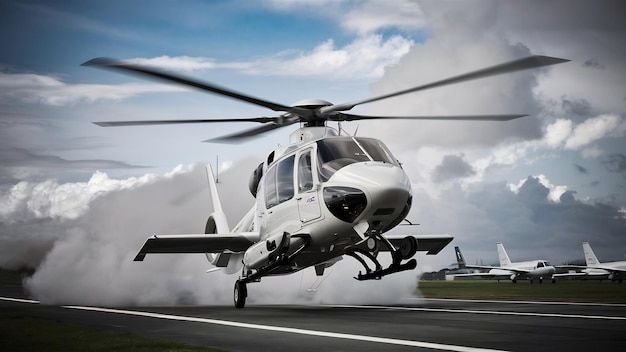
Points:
(322, 197)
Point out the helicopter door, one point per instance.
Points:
(308, 200)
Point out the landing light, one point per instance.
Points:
(346, 203)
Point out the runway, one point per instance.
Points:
(415, 324)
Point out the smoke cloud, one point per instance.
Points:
(82, 237)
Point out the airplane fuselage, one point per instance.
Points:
(531, 269)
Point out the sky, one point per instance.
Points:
(541, 184)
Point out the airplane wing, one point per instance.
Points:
(432, 244)
(608, 268)
(572, 274)
(196, 243)
(509, 269)
(590, 268)
(484, 275)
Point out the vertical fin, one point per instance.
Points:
(504, 258)
(459, 258)
(218, 215)
(590, 257)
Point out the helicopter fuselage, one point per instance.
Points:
(329, 193)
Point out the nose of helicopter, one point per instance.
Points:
(385, 187)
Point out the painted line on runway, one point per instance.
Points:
(516, 302)
(389, 341)
(383, 340)
(19, 300)
(494, 312)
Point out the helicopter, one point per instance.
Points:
(322, 197)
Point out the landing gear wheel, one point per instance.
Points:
(239, 294)
(408, 247)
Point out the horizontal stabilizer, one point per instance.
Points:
(194, 243)
(432, 244)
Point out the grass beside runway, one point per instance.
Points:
(23, 333)
(566, 290)
(26, 333)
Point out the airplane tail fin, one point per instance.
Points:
(459, 258)
(504, 258)
(590, 257)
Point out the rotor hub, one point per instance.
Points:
(311, 103)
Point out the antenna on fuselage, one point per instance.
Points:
(344, 131)
(217, 169)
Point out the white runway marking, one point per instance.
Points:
(436, 346)
(517, 302)
(383, 340)
(18, 300)
(445, 310)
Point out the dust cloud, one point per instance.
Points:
(81, 239)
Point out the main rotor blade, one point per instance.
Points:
(503, 117)
(172, 122)
(112, 64)
(512, 66)
(247, 134)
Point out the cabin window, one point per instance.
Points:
(279, 182)
(335, 153)
(271, 197)
(305, 173)
(284, 179)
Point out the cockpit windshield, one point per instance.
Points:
(335, 153)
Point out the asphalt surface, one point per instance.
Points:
(449, 325)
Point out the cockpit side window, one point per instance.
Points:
(540, 264)
(377, 150)
(271, 197)
(284, 179)
(305, 173)
(279, 182)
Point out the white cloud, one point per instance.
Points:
(555, 191)
(177, 63)
(50, 90)
(48, 199)
(365, 57)
(557, 132)
(361, 17)
(591, 152)
(595, 129)
(453, 51)
(378, 14)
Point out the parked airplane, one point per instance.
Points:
(531, 269)
(614, 271)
